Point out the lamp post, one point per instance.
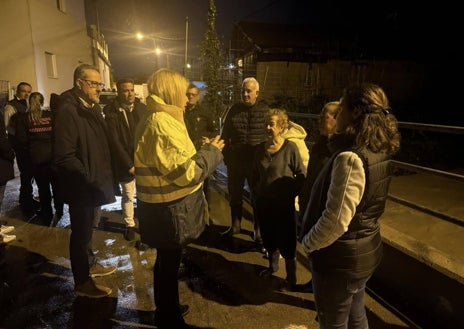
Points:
(186, 45)
(156, 49)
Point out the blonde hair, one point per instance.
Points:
(36, 101)
(331, 108)
(168, 85)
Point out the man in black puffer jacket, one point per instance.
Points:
(243, 130)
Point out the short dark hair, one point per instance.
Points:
(22, 83)
(122, 81)
(192, 85)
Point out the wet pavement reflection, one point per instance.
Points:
(218, 280)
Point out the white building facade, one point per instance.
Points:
(43, 41)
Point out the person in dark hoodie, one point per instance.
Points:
(82, 159)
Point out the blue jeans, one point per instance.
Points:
(340, 301)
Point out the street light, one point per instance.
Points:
(156, 49)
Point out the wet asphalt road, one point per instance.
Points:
(219, 281)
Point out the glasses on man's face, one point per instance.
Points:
(191, 95)
(94, 84)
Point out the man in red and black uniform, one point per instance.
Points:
(19, 104)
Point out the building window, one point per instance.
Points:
(50, 63)
(61, 5)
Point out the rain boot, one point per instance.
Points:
(273, 265)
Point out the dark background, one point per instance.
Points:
(426, 33)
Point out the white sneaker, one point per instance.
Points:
(5, 238)
(6, 229)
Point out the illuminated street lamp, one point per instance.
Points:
(159, 51)
(156, 49)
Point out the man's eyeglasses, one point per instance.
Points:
(191, 94)
(94, 84)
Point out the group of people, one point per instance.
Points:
(341, 194)
(166, 151)
(26, 136)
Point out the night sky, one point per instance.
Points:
(428, 33)
(121, 20)
(164, 20)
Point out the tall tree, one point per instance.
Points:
(212, 59)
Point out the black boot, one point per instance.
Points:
(305, 287)
(257, 239)
(273, 265)
(234, 227)
(290, 280)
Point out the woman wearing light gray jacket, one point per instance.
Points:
(341, 231)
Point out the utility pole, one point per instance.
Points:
(186, 45)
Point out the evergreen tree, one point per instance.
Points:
(211, 56)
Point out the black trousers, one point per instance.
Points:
(43, 179)
(237, 173)
(166, 286)
(80, 243)
(168, 258)
(276, 219)
(26, 176)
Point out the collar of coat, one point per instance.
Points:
(156, 104)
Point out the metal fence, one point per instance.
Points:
(450, 131)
